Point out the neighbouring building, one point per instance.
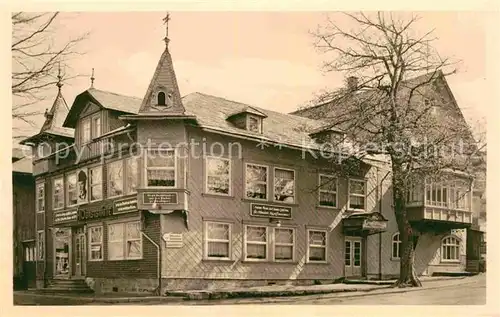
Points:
(202, 192)
(23, 207)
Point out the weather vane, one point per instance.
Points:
(165, 21)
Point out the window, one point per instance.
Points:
(96, 183)
(357, 193)
(85, 134)
(284, 243)
(95, 244)
(284, 185)
(29, 253)
(254, 124)
(71, 194)
(132, 174)
(217, 240)
(161, 98)
(327, 191)
(396, 246)
(160, 168)
(450, 249)
(453, 194)
(40, 239)
(40, 197)
(255, 243)
(115, 178)
(124, 241)
(44, 149)
(316, 250)
(256, 181)
(218, 176)
(58, 193)
(96, 126)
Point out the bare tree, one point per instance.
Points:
(36, 58)
(393, 106)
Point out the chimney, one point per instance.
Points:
(352, 83)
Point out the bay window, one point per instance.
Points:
(316, 246)
(327, 191)
(160, 168)
(124, 241)
(256, 179)
(95, 244)
(357, 194)
(40, 197)
(255, 245)
(58, 193)
(71, 190)
(284, 185)
(452, 194)
(217, 240)
(96, 183)
(132, 174)
(218, 176)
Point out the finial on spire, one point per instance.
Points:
(59, 83)
(166, 19)
(92, 79)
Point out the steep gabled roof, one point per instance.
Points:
(24, 166)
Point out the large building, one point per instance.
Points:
(203, 192)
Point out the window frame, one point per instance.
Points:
(100, 243)
(245, 243)
(259, 123)
(328, 191)
(294, 185)
(42, 198)
(230, 188)
(108, 178)
(457, 246)
(91, 185)
(308, 245)
(87, 120)
(207, 240)
(94, 133)
(293, 244)
(40, 242)
(398, 246)
(66, 188)
(53, 192)
(174, 168)
(349, 194)
(259, 182)
(124, 240)
(127, 171)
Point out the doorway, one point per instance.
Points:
(62, 238)
(80, 258)
(29, 265)
(352, 257)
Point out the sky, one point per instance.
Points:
(265, 59)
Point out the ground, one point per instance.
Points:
(472, 291)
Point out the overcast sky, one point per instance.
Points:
(263, 59)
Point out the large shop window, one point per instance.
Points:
(40, 240)
(124, 241)
(256, 243)
(40, 197)
(160, 168)
(396, 246)
(95, 244)
(115, 178)
(327, 191)
(317, 244)
(71, 190)
(218, 176)
(284, 244)
(450, 249)
(58, 193)
(284, 185)
(357, 194)
(96, 183)
(218, 240)
(256, 181)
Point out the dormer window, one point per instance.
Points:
(254, 124)
(161, 98)
(329, 135)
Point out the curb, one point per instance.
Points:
(105, 300)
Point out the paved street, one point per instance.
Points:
(469, 291)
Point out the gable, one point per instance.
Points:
(89, 109)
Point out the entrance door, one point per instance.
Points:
(352, 257)
(29, 265)
(62, 239)
(80, 254)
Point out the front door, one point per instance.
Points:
(80, 254)
(352, 257)
(29, 265)
(62, 239)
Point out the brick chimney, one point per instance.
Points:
(352, 83)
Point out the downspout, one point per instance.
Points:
(379, 198)
(158, 255)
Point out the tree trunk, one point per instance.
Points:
(407, 275)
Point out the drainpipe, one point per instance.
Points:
(158, 255)
(379, 198)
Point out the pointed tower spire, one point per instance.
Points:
(59, 78)
(92, 79)
(163, 93)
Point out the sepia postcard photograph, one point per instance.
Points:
(189, 158)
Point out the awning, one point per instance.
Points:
(364, 224)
